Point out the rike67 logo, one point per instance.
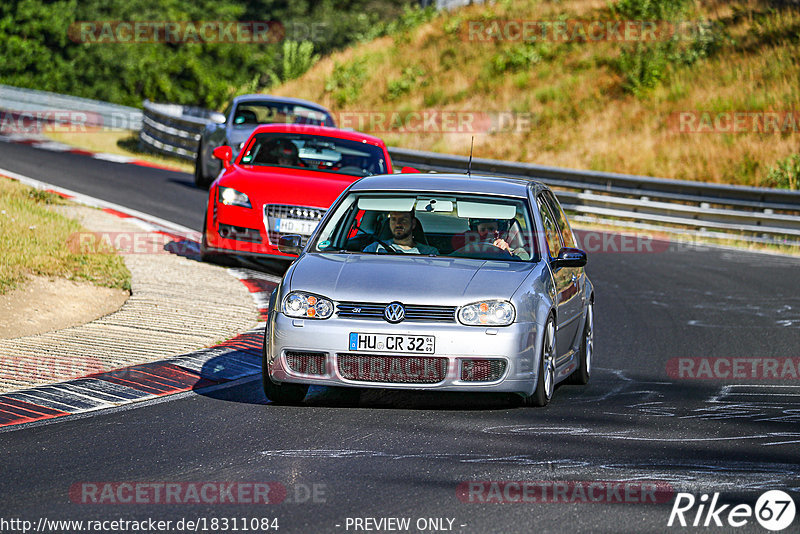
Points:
(774, 510)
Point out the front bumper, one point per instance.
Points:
(255, 243)
(516, 344)
(245, 231)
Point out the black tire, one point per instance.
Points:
(581, 375)
(200, 180)
(204, 254)
(545, 382)
(290, 394)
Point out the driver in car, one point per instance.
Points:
(402, 224)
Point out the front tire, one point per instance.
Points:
(204, 254)
(546, 381)
(289, 394)
(199, 179)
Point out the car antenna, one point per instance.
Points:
(469, 165)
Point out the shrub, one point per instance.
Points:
(785, 174)
(346, 81)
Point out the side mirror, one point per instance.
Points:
(570, 257)
(217, 117)
(225, 154)
(409, 169)
(290, 244)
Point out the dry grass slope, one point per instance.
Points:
(585, 113)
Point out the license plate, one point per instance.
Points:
(391, 343)
(294, 226)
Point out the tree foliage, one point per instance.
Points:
(41, 52)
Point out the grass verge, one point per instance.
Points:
(34, 240)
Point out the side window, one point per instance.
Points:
(550, 228)
(561, 220)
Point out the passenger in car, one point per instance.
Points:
(487, 232)
(402, 225)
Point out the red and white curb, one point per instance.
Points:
(237, 358)
(44, 143)
(234, 359)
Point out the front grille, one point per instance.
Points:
(281, 211)
(392, 369)
(371, 310)
(482, 370)
(306, 363)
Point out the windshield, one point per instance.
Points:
(456, 225)
(249, 114)
(327, 154)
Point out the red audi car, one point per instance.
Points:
(281, 182)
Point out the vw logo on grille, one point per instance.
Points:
(394, 312)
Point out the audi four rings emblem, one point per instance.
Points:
(394, 312)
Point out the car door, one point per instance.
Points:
(567, 299)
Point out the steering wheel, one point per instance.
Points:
(483, 251)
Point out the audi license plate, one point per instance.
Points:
(294, 226)
(391, 343)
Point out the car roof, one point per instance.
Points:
(281, 100)
(448, 183)
(319, 130)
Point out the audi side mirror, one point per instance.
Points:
(570, 257)
(224, 153)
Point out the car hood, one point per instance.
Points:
(411, 280)
(296, 187)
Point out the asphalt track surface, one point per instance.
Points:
(385, 454)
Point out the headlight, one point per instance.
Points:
(487, 313)
(232, 197)
(308, 306)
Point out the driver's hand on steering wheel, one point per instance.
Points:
(501, 244)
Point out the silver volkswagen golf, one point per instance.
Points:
(433, 282)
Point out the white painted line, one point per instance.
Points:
(116, 158)
(52, 146)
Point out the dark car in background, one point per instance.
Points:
(234, 126)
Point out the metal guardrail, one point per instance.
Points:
(172, 129)
(20, 101)
(676, 206)
(713, 210)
